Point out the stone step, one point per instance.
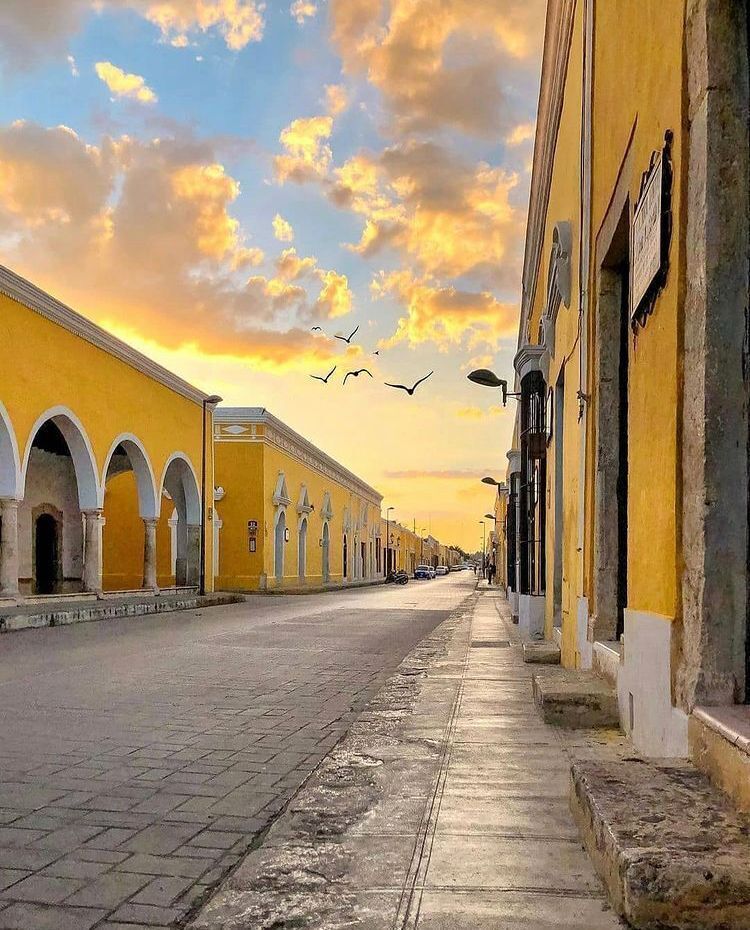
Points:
(671, 849)
(719, 739)
(544, 653)
(575, 699)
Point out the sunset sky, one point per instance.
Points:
(209, 179)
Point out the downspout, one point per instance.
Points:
(584, 270)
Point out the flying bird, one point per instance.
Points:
(357, 373)
(317, 329)
(347, 339)
(376, 352)
(410, 390)
(324, 380)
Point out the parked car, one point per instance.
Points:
(423, 571)
(442, 570)
(432, 571)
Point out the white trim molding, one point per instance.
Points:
(33, 298)
(529, 358)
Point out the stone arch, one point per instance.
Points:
(302, 548)
(279, 537)
(326, 552)
(82, 454)
(11, 485)
(148, 499)
(181, 486)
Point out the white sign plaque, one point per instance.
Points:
(646, 238)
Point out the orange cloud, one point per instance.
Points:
(429, 205)
(337, 99)
(148, 227)
(28, 31)
(438, 63)
(335, 298)
(122, 84)
(282, 230)
(444, 315)
(302, 10)
(307, 156)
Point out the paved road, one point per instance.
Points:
(140, 758)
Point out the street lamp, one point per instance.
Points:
(211, 402)
(387, 530)
(491, 481)
(484, 557)
(488, 378)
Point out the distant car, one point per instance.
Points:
(432, 571)
(442, 570)
(423, 571)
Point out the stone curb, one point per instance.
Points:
(313, 868)
(10, 622)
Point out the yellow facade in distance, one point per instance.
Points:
(287, 515)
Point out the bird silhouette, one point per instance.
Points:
(347, 339)
(376, 352)
(324, 380)
(357, 373)
(317, 329)
(410, 390)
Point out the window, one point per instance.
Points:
(533, 484)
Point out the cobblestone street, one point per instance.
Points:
(141, 758)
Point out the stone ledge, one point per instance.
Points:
(575, 699)
(12, 620)
(670, 848)
(543, 653)
(719, 740)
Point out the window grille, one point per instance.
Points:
(533, 484)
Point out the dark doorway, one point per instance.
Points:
(613, 335)
(346, 559)
(47, 552)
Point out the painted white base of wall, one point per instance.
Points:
(644, 691)
(557, 636)
(583, 647)
(513, 600)
(531, 615)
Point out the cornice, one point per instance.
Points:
(557, 38)
(529, 358)
(32, 297)
(284, 438)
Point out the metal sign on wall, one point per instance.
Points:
(650, 235)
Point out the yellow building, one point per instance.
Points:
(97, 443)
(627, 510)
(287, 516)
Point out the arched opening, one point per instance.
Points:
(302, 549)
(129, 541)
(181, 487)
(326, 554)
(57, 552)
(47, 552)
(279, 540)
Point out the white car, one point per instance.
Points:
(432, 571)
(442, 570)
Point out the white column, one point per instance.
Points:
(92, 551)
(193, 554)
(9, 548)
(149, 555)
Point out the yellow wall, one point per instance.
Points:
(53, 367)
(644, 97)
(123, 535)
(249, 472)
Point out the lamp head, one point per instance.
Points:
(213, 400)
(490, 516)
(491, 481)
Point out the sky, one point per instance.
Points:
(211, 179)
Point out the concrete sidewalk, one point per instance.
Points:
(444, 808)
